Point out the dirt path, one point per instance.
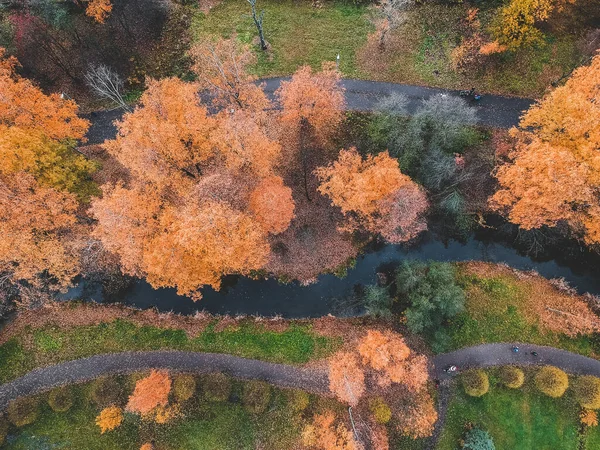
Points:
(492, 110)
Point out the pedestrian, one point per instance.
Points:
(515, 349)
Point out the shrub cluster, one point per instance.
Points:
(551, 381)
(106, 391)
(61, 399)
(511, 377)
(256, 396)
(587, 391)
(380, 410)
(217, 387)
(184, 387)
(23, 411)
(475, 382)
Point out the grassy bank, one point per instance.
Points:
(517, 419)
(499, 309)
(297, 32)
(52, 344)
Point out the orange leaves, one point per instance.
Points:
(99, 10)
(272, 204)
(316, 98)
(346, 377)
(324, 434)
(109, 419)
(24, 105)
(150, 392)
(555, 171)
(374, 194)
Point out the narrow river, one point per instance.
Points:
(241, 295)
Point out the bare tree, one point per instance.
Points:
(107, 84)
(394, 15)
(258, 21)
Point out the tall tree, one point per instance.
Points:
(392, 209)
(554, 172)
(150, 392)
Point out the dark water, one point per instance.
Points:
(241, 295)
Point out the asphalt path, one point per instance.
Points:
(361, 95)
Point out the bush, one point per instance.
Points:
(380, 410)
(587, 391)
(512, 377)
(217, 387)
(477, 439)
(61, 399)
(298, 400)
(106, 391)
(23, 411)
(256, 396)
(475, 382)
(3, 429)
(184, 387)
(433, 296)
(551, 381)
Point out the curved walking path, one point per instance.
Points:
(361, 95)
(282, 375)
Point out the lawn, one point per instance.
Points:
(517, 419)
(204, 425)
(297, 32)
(51, 344)
(497, 311)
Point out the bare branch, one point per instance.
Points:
(106, 84)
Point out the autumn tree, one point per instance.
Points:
(324, 434)
(551, 381)
(99, 10)
(415, 414)
(392, 208)
(109, 418)
(204, 192)
(346, 377)
(150, 392)
(222, 71)
(554, 174)
(587, 391)
(394, 13)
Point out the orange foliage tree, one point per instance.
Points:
(109, 418)
(312, 99)
(37, 168)
(554, 172)
(346, 377)
(204, 192)
(150, 392)
(99, 10)
(392, 208)
(324, 434)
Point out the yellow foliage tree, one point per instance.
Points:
(99, 10)
(109, 418)
(554, 172)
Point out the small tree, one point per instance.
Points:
(258, 21)
(150, 392)
(256, 396)
(61, 399)
(394, 14)
(551, 381)
(475, 382)
(587, 391)
(216, 387)
(106, 391)
(23, 411)
(589, 418)
(109, 418)
(298, 400)
(512, 377)
(477, 439)
(4, 425)
(380, 410)
(184, 387)
(106, 84)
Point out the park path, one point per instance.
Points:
(361, 95)
(282, 375)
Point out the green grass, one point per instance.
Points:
(517, 419)
(298, 33)
(50, 345)
(497, 312)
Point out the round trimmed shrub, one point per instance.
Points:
(587, 391)
(106, 391)
(551, 381)
(60, 399)
(511, 377)
(380, 410)
(3, 429)
(184, 387)
(475, 382)
(217, 387)
(256, 396)
(477, 439)
(298, 400)
(23, 411)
